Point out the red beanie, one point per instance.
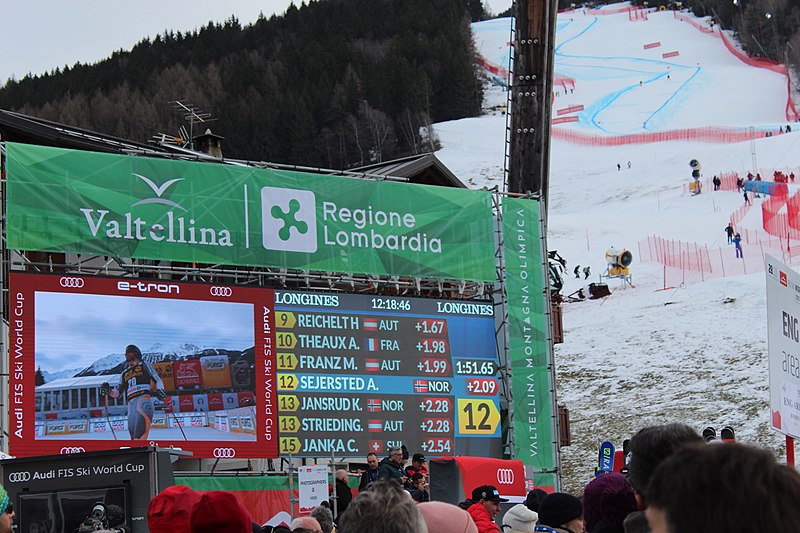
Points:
(219, 511)
(170, 511)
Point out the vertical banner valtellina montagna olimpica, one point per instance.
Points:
(148, 208)
(529, 355)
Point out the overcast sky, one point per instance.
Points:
(37, 36)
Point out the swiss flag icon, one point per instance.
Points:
(376, 446)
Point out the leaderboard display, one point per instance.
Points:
(250, 372)
(360, 373)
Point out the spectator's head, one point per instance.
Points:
(170, 511)
(218, 510)
(383, 508)
(607, 500)
(519, 519)
(6, 512)
(724, 487)
(325, 518)
(443, 517)
(342, 475)
(489, 497)
(418, 461)
(306, 523)
(534, 499)
(372, 461)
(405, 453)
(132, 353)
(396, 455)
(418, 480)
(649, 447)
(562, 510)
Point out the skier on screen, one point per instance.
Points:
(139, 381)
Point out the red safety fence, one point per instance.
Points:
(692, 22)
(670, 54)
(502, 72)
(648, 46)
(727, 183)
(691, 263)
(758, 62)
(709, 134)
(613, 11)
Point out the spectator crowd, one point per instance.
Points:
(674, 482)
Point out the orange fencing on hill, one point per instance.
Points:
(709, 134)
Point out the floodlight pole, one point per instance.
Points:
(531, 89)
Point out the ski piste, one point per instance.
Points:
(605, 459)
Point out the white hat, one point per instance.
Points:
(520, 518)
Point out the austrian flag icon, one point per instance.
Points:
(375, 426)
(370, 324)
(372, 365)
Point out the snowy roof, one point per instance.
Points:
(76, 383)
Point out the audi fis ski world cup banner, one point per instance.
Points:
(529, 356)
(783, 336)
(124, 206)
(247, 372)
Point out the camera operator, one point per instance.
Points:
(420, 491)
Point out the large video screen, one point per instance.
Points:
(231, 371)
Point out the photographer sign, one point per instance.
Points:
(312, 486)
(783, 335)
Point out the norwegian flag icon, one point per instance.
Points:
(372, 365)
(376, 446)
(374, 406)
(370, 324)
(375, 426)
(420, 385)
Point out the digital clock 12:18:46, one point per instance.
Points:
(391, 304)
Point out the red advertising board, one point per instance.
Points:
(75, 330)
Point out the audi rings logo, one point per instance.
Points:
(71, 283)
(72, 449)
(19, 477)
(224, 453)
(505, 476)
(221, 291)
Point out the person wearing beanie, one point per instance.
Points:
(6, 512)
(607, 501)
(218, 510)
(520, 519)
(443, 517)
(534, 499)
(562, 513)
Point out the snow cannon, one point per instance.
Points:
(618, 262)
(695, 186)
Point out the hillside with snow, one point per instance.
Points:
(695, 352)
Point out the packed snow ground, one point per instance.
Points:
(696, 353)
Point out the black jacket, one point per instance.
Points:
(367, 478)
(388, 469)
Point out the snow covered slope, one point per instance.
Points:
(696, 353)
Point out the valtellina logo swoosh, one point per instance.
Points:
(159, 191)
(167, 227)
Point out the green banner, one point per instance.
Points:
(529, 357)
(148, 208)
